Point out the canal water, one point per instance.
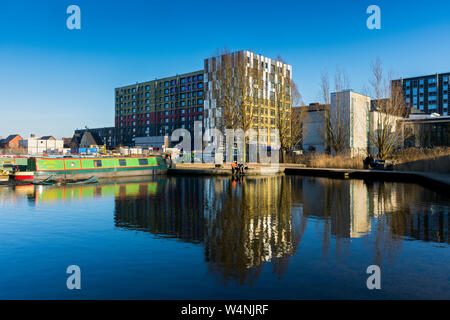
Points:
(278, 237)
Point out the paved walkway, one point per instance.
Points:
(430, 179)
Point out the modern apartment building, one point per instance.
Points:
(270, 73)
(349, 112)
(158, 107)
(427, 93)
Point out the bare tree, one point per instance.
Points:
(386, 134)
(285, 96)
(336, 131)
(299, 116)
(236, 90)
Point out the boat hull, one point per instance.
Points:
(75, 169)
(100, 174)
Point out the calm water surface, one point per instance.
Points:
(213, 238)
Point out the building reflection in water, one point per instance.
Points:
(244, 224)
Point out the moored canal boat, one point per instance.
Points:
(73, 169)
(4, 176)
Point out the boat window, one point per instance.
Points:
(122, 162)
(143, 162)
(97, 163)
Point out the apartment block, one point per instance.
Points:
(264, 112)
(158, 107)
(427, 93)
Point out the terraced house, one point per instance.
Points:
(160, 106)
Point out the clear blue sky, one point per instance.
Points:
(53, 80)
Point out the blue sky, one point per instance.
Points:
(54, 80)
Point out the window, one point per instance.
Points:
(143, 162)
(98, 163)
(122, 162)
(166, 84)
(200, 77)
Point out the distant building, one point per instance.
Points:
(351, 111)
(427, 130)
(427, 93)
(11, 142)
(90, 140)
(158, 107)
(264, 111)
(313, 126)
(42, 145)
(157, 143)
(356, 116)
(97, 136)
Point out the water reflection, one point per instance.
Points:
(244, 224)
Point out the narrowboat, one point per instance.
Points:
(40, 169)
(4, 176)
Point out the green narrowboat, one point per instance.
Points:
(39, 169)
